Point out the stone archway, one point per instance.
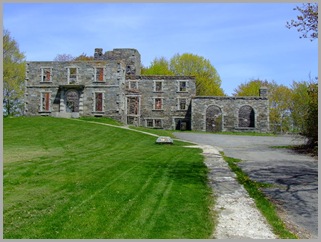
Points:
(72, 101)
(246, 117)
(214, 119)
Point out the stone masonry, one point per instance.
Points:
(111, 86)
(230, 114)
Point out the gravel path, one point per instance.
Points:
(238, 217)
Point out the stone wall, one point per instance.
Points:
(130, 57)
(229, 119)
(77, 88)
(111, 86)
(166, 89)
(57, 78)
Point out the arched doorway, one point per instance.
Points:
(246, 117)
(72, 101)
(214, 120)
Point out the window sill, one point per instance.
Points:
(44, 113)
(98, 113)
(157, 109)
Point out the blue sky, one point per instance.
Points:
(243, 41)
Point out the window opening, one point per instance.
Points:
(133, 84)
(72, 75)
(132, 105)
(99, 74)
(182, 86)
(246, 117)
(46, 75)
(99, 102)
(182, 104)
(214, 119)
(45, 101)
(150, 123)
(158, 104)
(72, 101)
(158, 123)
(158, 86)
(154, 123)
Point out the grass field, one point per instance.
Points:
(69, 179)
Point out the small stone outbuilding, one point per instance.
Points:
(216, 114)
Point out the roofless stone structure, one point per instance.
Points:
(111, 85)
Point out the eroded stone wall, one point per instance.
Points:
(161, 99)
(230, 107)
(80, 76)
(111, 86)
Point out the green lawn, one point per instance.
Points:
(69, 179)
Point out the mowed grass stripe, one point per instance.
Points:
(129, 214)
(84, 180)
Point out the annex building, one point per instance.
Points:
(111, 85)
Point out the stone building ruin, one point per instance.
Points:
(111, 85)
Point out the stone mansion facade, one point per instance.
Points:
(111, 86)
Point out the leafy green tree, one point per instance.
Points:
(208, 81)
(307, 25)
(13, 76)
(311, 131)
(307, 22)
(84, 57)
(299, 105)
(280, 98)
(159, 66)
(251, 88)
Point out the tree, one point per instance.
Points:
(68, 57)
(159, 66)
(311, 131)
(13, 76)
(208, 81)
(307, 22)
(280, 98)
(299, 105)
(64, 57)
(83, 57)
(251, 88)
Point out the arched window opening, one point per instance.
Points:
(246, 117)
(214, 120)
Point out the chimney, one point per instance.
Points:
(263, 92)
(98, 54)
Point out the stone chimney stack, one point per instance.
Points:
(263, 92)
(98, 54)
